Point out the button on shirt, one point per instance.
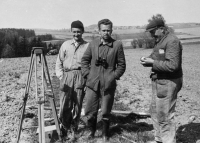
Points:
(69, 57)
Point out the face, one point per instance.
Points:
(105, 31)
(157, 33)
(77, 33)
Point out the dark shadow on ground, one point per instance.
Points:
(121, 123)
(189, 133)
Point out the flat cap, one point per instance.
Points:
(77, 24)
(156, 23)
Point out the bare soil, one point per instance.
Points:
(133, 93)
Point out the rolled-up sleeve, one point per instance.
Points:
(172, 60)
(59, 63)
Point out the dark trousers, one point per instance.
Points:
(92, 104)
(163, 108)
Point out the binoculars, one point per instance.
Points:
(101, 62)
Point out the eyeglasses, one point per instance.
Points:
(153, 31)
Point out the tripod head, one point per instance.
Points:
(38, 51)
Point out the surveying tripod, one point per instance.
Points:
(47, 91)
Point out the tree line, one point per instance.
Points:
(19, 42)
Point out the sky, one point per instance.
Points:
(58, 14)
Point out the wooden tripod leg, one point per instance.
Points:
(52, 100)
(25, 97)
(40, 102)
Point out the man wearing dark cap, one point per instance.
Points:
(166, 76)
(68, 70)
(102, 64)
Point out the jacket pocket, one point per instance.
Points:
(110, 81)
(92, 78)
(162, 86)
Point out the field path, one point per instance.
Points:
(133, 91)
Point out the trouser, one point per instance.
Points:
(71, 98)
(92, 104)
(162, 108)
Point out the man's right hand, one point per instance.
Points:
(60, 77)
(142, 59)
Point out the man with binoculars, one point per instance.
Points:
(102, 64)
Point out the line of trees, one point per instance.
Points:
(19, 42)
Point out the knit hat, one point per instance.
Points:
(77, 24)
(156, 23)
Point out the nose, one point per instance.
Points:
(106, 32)
(76, 33)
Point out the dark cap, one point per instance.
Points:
(156, 23)
(77, 24)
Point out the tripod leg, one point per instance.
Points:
(40, 108)
(52, 101)
(25, 97)
(43, 100)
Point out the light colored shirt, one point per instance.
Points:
(69, 57)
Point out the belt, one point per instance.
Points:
(165, 76)
(67, 70)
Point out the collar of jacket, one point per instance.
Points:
(110, 42)
(163, 37)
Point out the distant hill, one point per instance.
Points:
(183, 25)
(179, 25)
(92, 30)
(95, 27)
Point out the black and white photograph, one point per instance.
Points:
(99, 71)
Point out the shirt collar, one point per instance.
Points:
(77, 43)
(109, 43)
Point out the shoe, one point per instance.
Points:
(92, 128)
(91, 135)
(64, 133)
(74, 134)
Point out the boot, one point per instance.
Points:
(105, 130)
(92, 128)
(74, 131)
(64, 133)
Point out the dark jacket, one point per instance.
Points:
(116, 64)
(167, 55)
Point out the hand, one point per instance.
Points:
(147, 62)
(142, 60)
(60, 77)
